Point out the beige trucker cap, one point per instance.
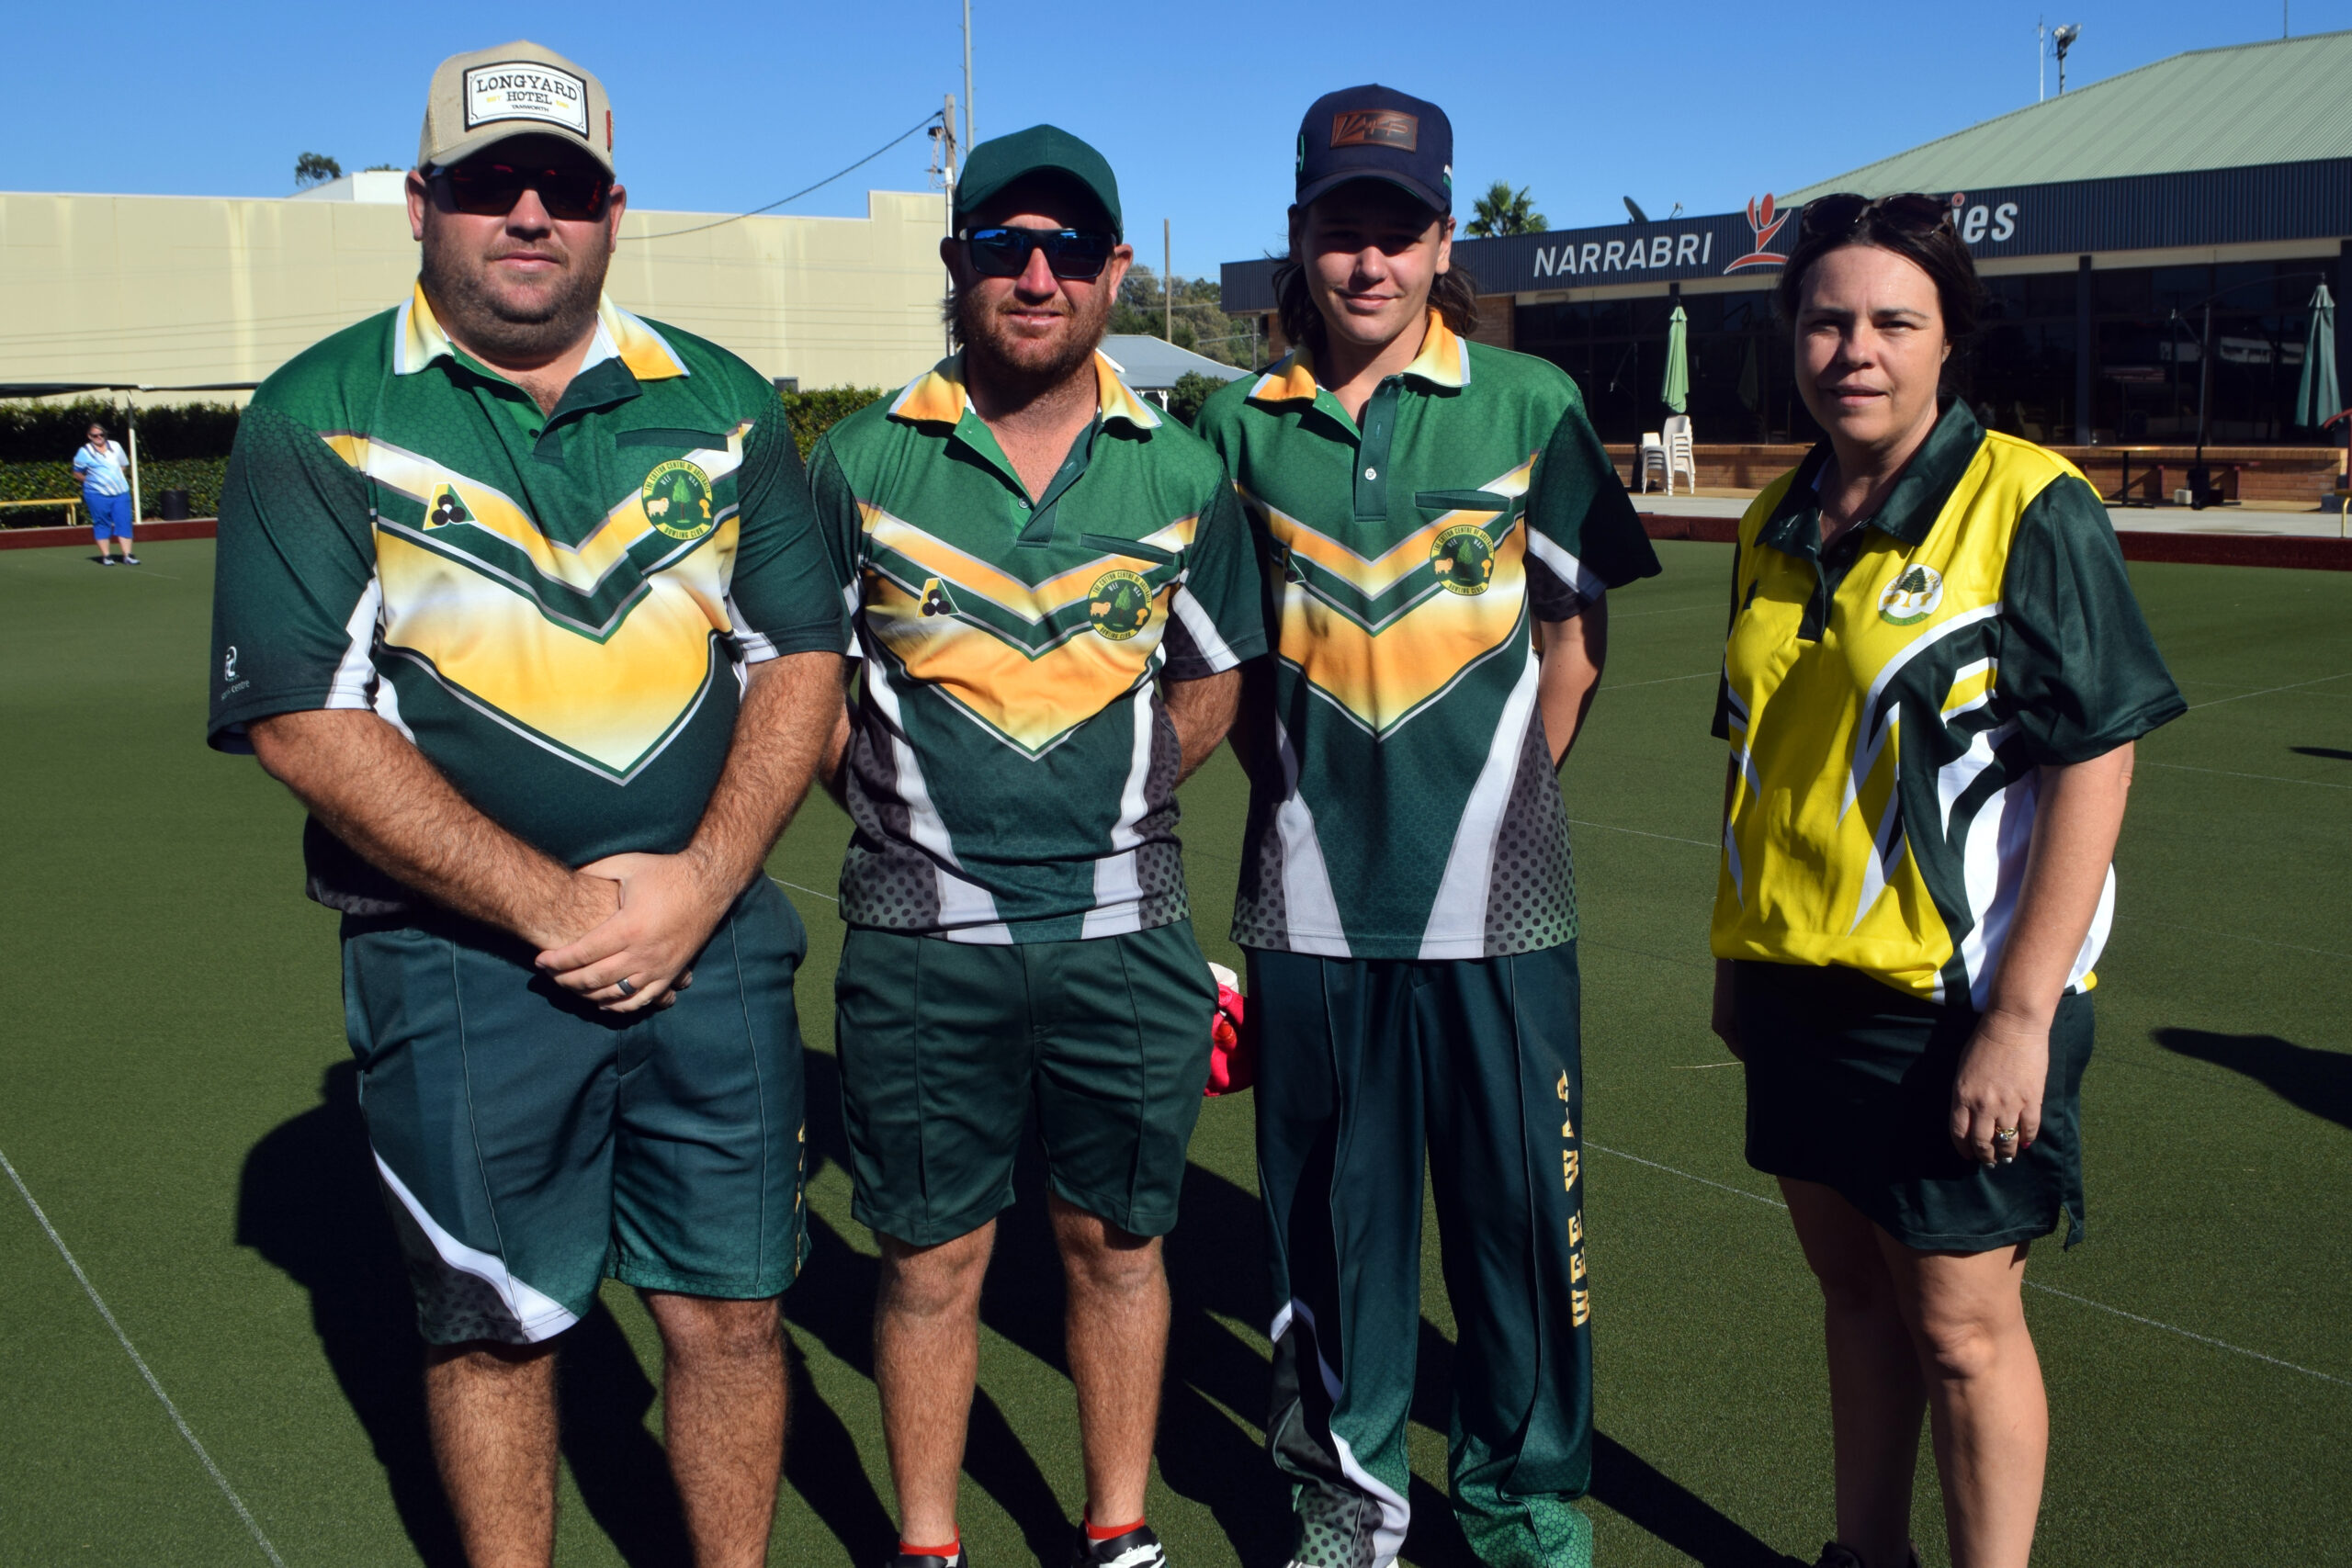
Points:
(516, 89)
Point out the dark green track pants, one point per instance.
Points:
(1365, 1067)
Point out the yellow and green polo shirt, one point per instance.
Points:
(1012, 771)
(1418, 815)
(1889, 704)
(556, 608)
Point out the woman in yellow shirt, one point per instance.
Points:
(1935, 673)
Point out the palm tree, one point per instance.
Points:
(1503, 211)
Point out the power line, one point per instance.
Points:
(796, 196)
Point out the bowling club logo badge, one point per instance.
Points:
(1912, 597)
(1465, 559)
(677, 499)
(1119, 604)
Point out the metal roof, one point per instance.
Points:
(1155, 364)
(2280, 102)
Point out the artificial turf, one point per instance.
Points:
(175, 1093)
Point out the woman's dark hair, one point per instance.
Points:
(1454, 295)
(1916, 227)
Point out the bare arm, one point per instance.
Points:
(1573, 651)
(833, 762)
(1725, 1021)
(377, 793)
(2007, 1062)
(1203, 713)
(671, 903)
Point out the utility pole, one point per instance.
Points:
(947, 179)
(1166, 285)
(968, 132)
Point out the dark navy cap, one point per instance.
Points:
(1374, 132)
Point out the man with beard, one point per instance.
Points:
(1052, 591)
(520, 595)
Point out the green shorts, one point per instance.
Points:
(1850, 1085)
(529, 1146)
(944, 1047)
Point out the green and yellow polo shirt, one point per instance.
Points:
(556, 609)
(1419, 814)
(1012, 770)
(1889, 704)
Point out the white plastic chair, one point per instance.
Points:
(1651, 458)
(1680, 459)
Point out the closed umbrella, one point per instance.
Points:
(2317, 397)
(1677, 390)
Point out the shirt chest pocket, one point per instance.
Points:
(1492, 503)
(1135, 549)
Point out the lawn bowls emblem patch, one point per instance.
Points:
(677, 499)
(1119, 604)
(444, 508)
(1464, 558)
(1912, 597)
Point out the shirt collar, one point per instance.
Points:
(418, 339)
(938, 396)
(1444, 361)
(1910, 509)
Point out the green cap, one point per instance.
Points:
(1041, 149)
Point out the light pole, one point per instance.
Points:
(2064, 38)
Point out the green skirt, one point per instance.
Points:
(1850, 1085)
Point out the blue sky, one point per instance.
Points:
(722, 106)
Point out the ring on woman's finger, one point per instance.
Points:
(627, 987)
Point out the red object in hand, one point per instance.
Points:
(1233, 1057)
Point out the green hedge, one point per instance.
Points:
(37, 433)
(37, 429)
(200, 477)
(813, 414)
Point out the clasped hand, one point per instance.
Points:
(668, 910)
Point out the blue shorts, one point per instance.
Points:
(109, 516)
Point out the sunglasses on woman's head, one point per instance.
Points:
(488, 188)
(1074, 254)
(1840, 215)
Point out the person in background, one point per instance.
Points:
(1935, 673)
(105, 491)
(1440, 527)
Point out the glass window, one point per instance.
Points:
(2126, 291)
(2049, 294)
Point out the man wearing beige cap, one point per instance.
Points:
(521, 596)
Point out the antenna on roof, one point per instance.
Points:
(1635, 208)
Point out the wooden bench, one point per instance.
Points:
(69, 503)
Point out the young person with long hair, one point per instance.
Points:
(1440, 527)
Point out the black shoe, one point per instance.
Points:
(962, 1558)
(1136, 1549)
(1836, 1556)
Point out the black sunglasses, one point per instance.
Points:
(1077, 254)
(485, 188)
(1839, 216)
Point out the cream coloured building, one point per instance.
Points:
(177, 293)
